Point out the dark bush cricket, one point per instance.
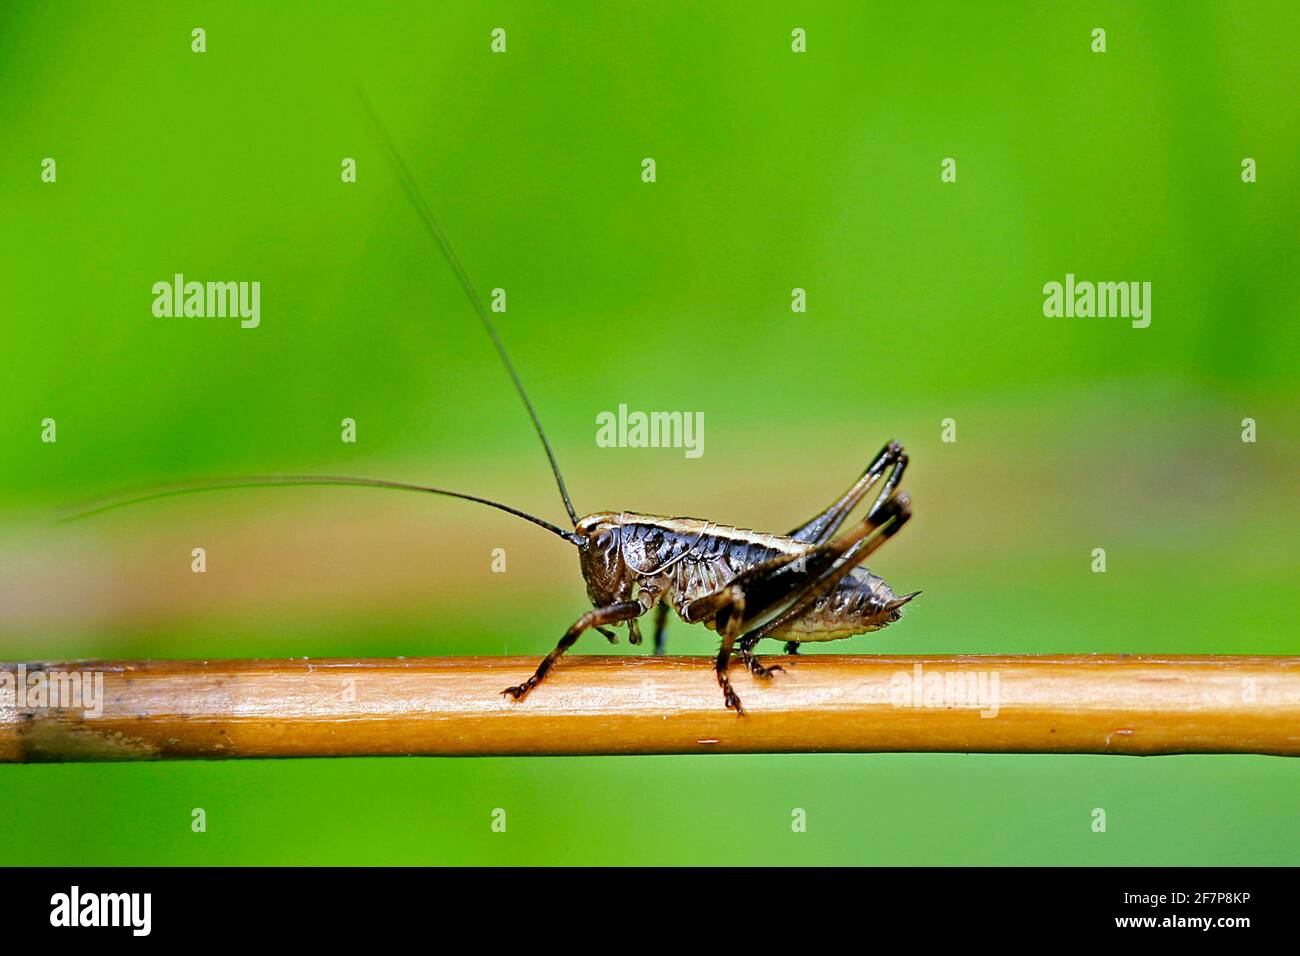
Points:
(805, 585)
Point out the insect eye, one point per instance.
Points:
(602, 539)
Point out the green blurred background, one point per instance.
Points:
(775, 171)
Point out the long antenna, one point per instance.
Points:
(435, 230)
(265, 481)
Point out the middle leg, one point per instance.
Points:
(661, 626)
(726, 607)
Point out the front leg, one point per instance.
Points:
(613, 614)
(634, 626)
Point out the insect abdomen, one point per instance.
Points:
(863, 602)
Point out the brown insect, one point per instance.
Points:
(806, 585)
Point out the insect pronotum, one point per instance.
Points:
(808, 584)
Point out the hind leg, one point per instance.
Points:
(885, 521)
(755, 666)
(793, 581)
(820, 528)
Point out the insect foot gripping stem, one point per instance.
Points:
(613, 614)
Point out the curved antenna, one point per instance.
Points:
(265, 481)
(435, 230)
